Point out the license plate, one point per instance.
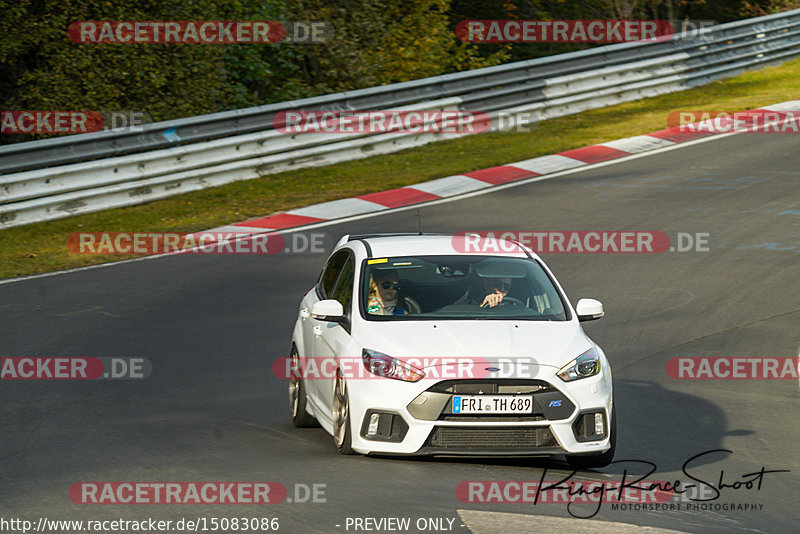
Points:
(485, 404)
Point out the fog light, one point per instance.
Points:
(598, 424)
(373, 424)
(383, 426)
(590, 426)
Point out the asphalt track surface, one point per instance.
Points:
(212, 325)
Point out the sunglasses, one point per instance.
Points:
(393, 285)
(502, 286)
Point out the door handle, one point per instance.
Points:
(304, 313)
(317, 330)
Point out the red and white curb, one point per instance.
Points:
(477, 180)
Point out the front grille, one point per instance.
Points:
(492, 418)
(449, 437)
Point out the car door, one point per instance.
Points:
(333, 340)
(323, 290)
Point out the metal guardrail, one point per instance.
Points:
(173, 157)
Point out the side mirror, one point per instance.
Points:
(328, 310)
(589, 309)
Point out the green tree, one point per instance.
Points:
(41, 69)
(372, 44)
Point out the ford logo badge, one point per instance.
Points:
(492, 369)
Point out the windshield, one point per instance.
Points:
(458, 287)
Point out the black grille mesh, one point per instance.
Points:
(449, 437)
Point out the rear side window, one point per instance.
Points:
(331, 273)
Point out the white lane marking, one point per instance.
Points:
(638, 143)
(334, 209)
(230, 229)
(791, 105)
(451, 185)
(548, 164)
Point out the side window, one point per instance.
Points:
(331, 273)
(344, 287)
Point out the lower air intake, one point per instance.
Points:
(492, 438)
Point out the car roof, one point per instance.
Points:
(387, 245)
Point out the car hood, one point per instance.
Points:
(546, 343)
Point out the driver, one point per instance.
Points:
(495, 289)
(491, 293)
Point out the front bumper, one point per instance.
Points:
(417, 418)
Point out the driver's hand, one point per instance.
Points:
(492, 300)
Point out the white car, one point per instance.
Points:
(409, 345)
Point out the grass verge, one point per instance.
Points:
(42, 247)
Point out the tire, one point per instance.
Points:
(341, 416)
(297, 398)
(594, 461)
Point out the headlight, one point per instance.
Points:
(380, 364)
(585, 365)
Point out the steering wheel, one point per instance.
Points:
(507, 300)
(511, 300)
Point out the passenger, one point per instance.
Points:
(383, 298)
